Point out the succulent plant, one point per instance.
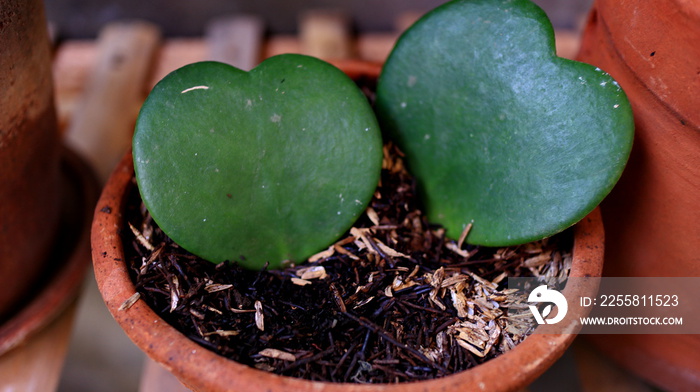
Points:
(276, 163)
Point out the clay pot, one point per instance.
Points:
(651, 217)
(29, 151)
(61, 279)
(46, 195)
(203, 370)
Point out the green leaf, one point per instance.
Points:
(497, 129)
(262, 166)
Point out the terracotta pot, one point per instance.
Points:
(651, 217)
(203, 370)
(65, 270)
(46, 195)
(29, 151)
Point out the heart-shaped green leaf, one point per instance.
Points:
(262, 166)
(498, 130)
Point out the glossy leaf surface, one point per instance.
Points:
(499, 131)
(262, 166)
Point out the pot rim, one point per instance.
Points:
(71, 252)
(196, 366)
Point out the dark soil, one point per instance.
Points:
(392, 301)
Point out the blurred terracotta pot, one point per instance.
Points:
(29, 150)
(46, 193)
(652, 216)
(203, 370)
(55, 289)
